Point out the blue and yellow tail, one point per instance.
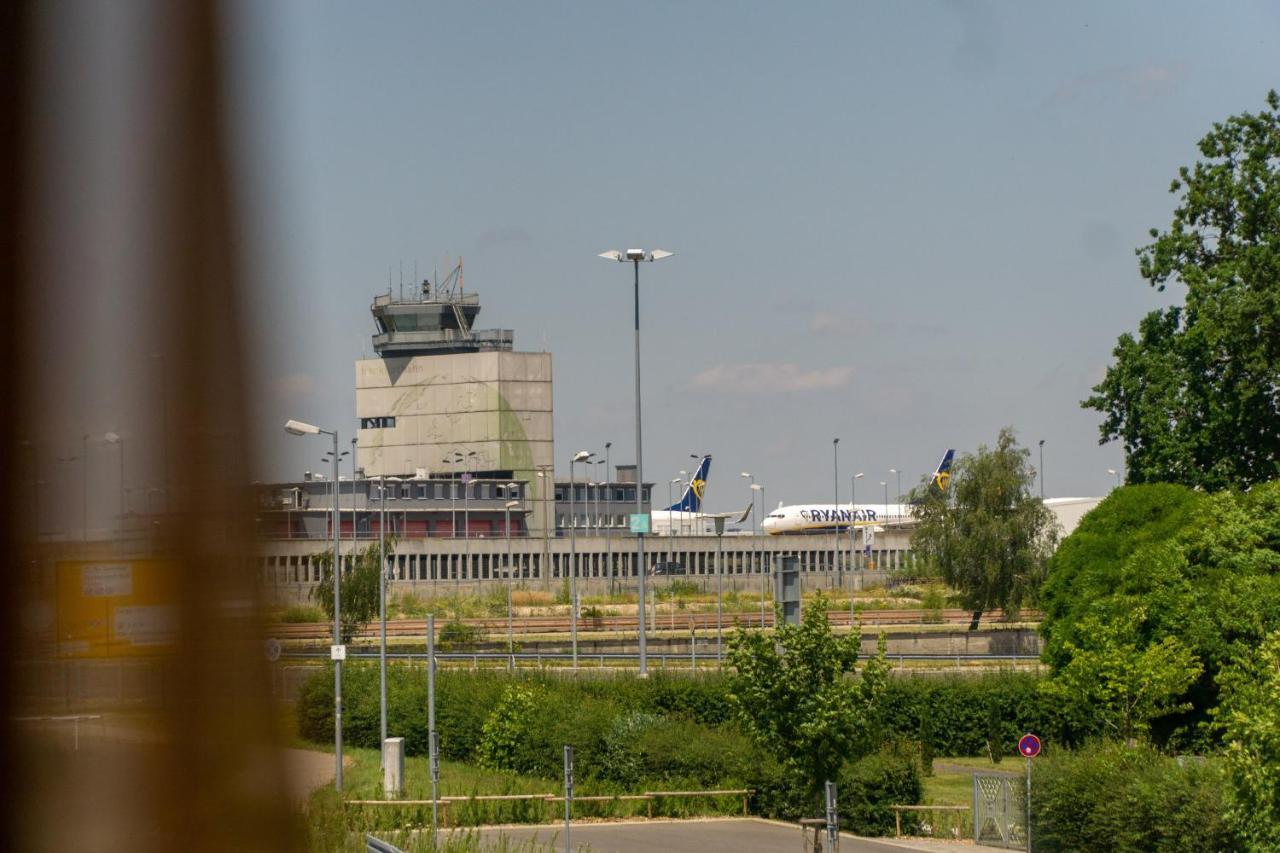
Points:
(942, 477)
(691, 500)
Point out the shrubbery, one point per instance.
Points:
(1116, 798)
(949, 715)
(867, 787)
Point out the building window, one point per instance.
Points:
(484, 492)
(559, 493)
(377, 423)
(439, 490)
(422, 491)
(405, 492)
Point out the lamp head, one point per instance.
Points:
(582, 456)
(512, 504)
(300, 428)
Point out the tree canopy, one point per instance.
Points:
(987, 533)
(359, 587)
(1195, 397)
(794, 693)
(1203, 569)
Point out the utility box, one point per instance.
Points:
(786, 589)
(393, 767)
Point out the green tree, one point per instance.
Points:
(794, 692)
(1120, 685)
(359, 587)
(1201, 568)
(1249, 720)
(989, 536)
(1194, 397)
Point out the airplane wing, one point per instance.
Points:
(741, 517)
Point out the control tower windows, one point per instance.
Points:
(377, 423)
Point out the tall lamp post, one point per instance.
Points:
(1042, 469)
(899, 473)
(634, 257)
(835, 485)
(756, 487)
(853, 518)
(747, 475)
(547, 486)
(300, 428)
(671, 531)
(1114, 473)
(383, 480)
(608, 508)
(580, 456)
(507, 507)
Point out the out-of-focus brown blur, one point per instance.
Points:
(137, 706)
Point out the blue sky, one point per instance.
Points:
(903, 224)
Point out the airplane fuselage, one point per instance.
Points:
(832, 518)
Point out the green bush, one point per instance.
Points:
(507, 727)
(302, 613)
(455, 635)
(1110, 797)
(867, 787)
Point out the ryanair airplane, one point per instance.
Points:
(685, 516)
(832, 518)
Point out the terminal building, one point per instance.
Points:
(455, 458)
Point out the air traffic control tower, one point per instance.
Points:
(439, 389)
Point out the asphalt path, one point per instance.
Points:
(717, 835)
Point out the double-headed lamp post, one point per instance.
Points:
(580, 456)
(853, 517)
(756, 487)
(634, 257)
(1114, 473)
(511, 504)
(383, 480)
(300, 428)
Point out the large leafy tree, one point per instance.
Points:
(795, 693)
(987, 533)
(1249, 720)
(1170, 562)
(1195, 397)
(359, 587)
(1117, 683)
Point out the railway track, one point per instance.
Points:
(677, 620)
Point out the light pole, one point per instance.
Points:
(835, 483)
(580, 456)
(548, 484)
(300, 428)
(382, 609)
(635, 256)
(885, 486)
(1042, 469)
(899, 473)
(466, 517)
(1113, 472)
(452, 462)
(684, 484)
(671, 531)
(507, 507)
(608, 506)
(853, 518)
(756, 487)
(752, 504)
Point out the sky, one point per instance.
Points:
(905, 225)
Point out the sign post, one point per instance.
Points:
(568, 796)
(1029, 747)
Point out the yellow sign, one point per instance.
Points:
(110, 608)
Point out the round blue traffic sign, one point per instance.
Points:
(1029, 746)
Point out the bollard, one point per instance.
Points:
(393, 767)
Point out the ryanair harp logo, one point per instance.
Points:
(698, 486)
(942, 479)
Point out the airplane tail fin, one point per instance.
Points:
(691, 500)
(942, 476)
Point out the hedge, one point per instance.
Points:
(1111, 797)
(948, 715)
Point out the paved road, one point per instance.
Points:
(717, 835)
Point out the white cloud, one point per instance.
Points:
(1138, 82)
(770, 377)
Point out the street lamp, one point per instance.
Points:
(382, 607)
(1042, 469)
(684, 483)
(634, 257)
(899, 473)
(853, 518)
(608, 508)
(507, 507)
(747, 475)
(1113, 472)
(671, 534)
(835, 485)
(301, 428)
(580, 456)
(756, 487)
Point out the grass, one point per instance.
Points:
(952, 785)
